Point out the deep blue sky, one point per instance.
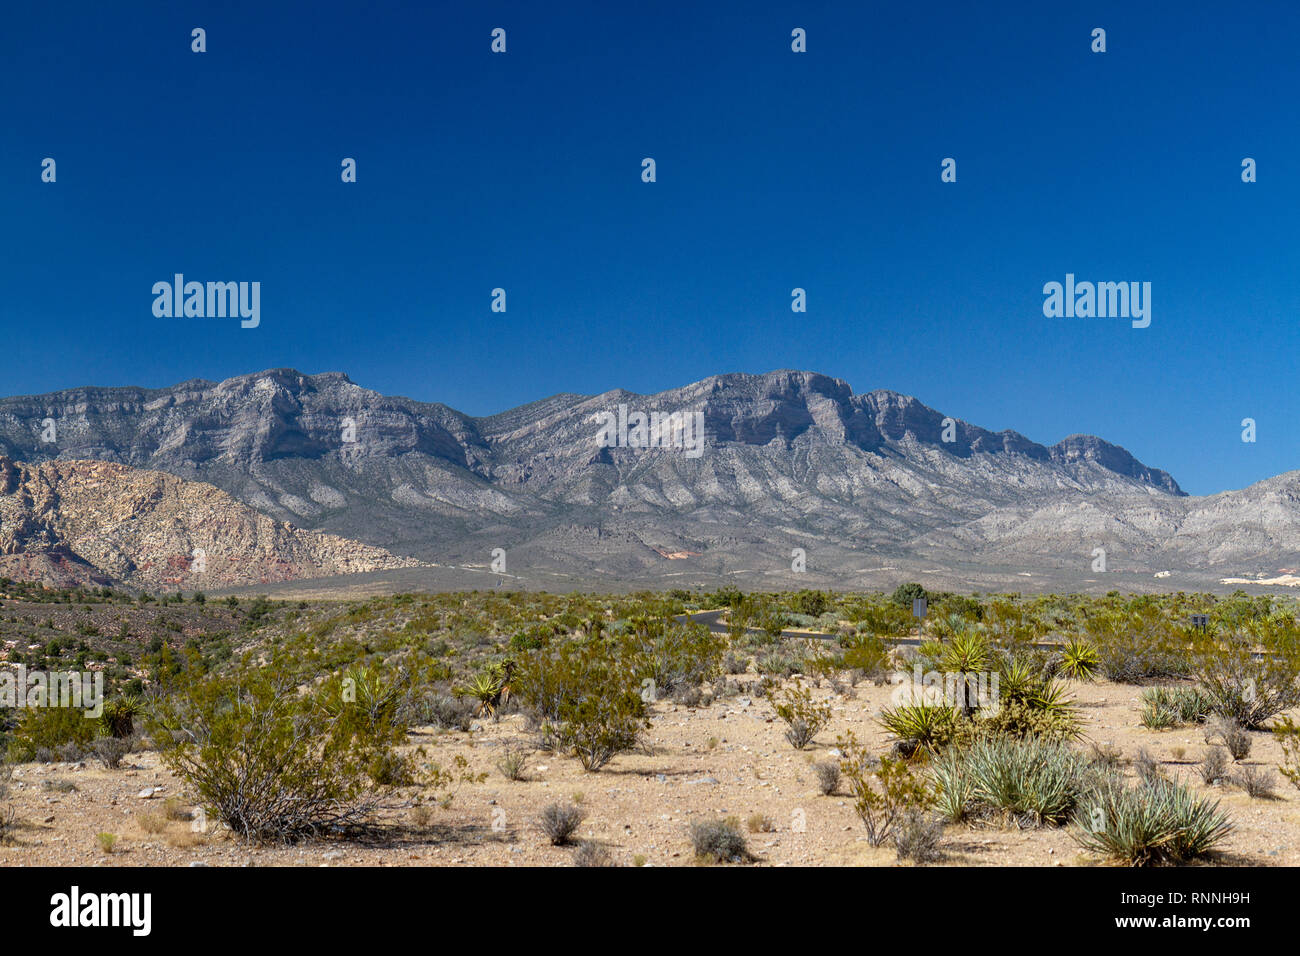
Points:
(775, 170)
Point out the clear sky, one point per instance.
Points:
(775, 170)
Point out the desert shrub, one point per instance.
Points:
(1147, 766)
(1158, 822)
(905, 594)
(1139, 645)
(828, 776)
(271, 763)
(590, 695)
(760, 823)
(513, 763)
(883, 789)
(110, 750)
(675, 655)
(1214, 765)
(733, 663)
(804, 716)
(1288, 736)
(866, 653)
(1257, 781)
(1028, 780)
(1245, 688)
(445, 710)
(590, 853)
(64, 731)
(1228, 732)
(917, 836)
(151, 821)
(1107, 756)
(106, 841)
(720, 841)
(560, 822)
(1021, 718)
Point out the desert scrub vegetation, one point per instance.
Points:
(272, 763)
(1157, 821)
(1287, 733)
(1250, 677)
(559, 822)
(804, 717)
(884, 789)
(588, 696)
(719, 841)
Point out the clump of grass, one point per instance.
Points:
(1164, 707)
(760, 823)
(106, 841)
(590, 853)
(1030, 781)
(1160, 822)
(720, 841)
(559, 822)
(151, 821)
(513, 763)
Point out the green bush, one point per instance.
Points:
(50, 728)
(804, 716)
(271, 763)
(1241, 686)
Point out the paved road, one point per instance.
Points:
(713, 621)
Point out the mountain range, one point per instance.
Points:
(330, 478)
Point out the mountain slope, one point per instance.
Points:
(95, 523)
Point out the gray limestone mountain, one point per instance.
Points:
(791, 460)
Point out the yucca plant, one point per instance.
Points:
(921, 726)
(1156, 822)
(1081, 659)
(1029, 778)
(118, 715)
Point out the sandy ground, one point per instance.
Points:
(728, 759)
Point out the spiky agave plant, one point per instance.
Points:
(921, 726)
(1081, 659)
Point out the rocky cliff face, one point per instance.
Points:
(96, 523)
(791, 459)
